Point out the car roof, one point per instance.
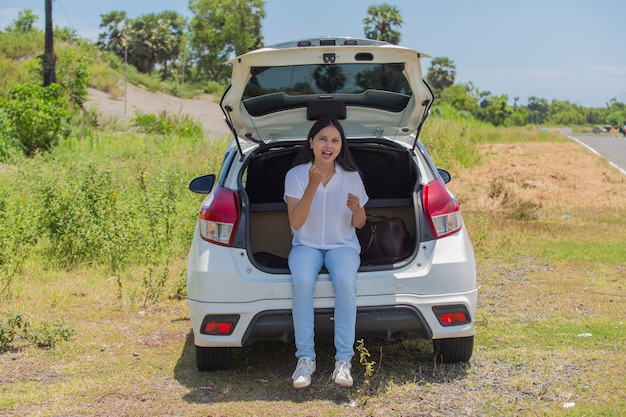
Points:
(375, 88)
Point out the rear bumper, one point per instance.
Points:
(393, 317)
(397, 322)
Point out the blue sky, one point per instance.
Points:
(572, 50)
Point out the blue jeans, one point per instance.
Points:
(342, 263)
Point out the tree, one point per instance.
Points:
(382, 22)
(25, 21)
(519, 116)
(538, 110)
(222, 29)
(498, 110)
(615, 112)
(614, 119)
(595, 116)
(565, 113)
(460, 97)
(113, 37)
(567, 118)
(155, 39)
(148, 41)
(441, 73)
(614, 105)
(170, 50)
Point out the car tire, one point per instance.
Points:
(454, 350)
(212, 358)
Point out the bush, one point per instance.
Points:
(17, 233)
(73, 74)
(7, 145)
(151, 123)
(82, 218)
(165, 124)
(451, 143)
(37, 117)
(615, 118)
(91, 217)
(47, 335)
(16, 327)
(215, 89)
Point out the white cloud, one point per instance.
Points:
(610, 71)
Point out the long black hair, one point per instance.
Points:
(344, 159)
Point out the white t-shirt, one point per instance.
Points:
(329, 224)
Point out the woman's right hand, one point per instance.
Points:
(315, 175)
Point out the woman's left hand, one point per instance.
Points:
(358, 212)
(353, 202)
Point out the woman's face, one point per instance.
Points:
(326, 145)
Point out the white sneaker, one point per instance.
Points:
(341, 374)
(302, 375)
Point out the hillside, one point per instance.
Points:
(203, 109)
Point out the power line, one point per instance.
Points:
(66, 15)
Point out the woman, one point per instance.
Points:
(325, 198)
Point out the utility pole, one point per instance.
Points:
(49, 59)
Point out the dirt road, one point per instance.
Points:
(203, 109)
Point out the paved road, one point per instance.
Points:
(611, 147)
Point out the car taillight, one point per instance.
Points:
(219, 325)
(454, 315)
(442, 209)
(218, 328)
(219, 218)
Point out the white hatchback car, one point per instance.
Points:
(238, 281)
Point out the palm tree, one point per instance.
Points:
(113, 38)
(155, 39)
(441, 73)
(381, 23)
(151, 39)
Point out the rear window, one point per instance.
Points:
(275, 89)
(327, 79)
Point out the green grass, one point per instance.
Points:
(597, 252)
(453, 144)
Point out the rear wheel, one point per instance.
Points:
(212, 358)
(453, 350)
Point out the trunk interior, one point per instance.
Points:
(388, 172)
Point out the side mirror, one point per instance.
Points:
(202, 184)
(445, 175)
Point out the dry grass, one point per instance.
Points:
(526, 207)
